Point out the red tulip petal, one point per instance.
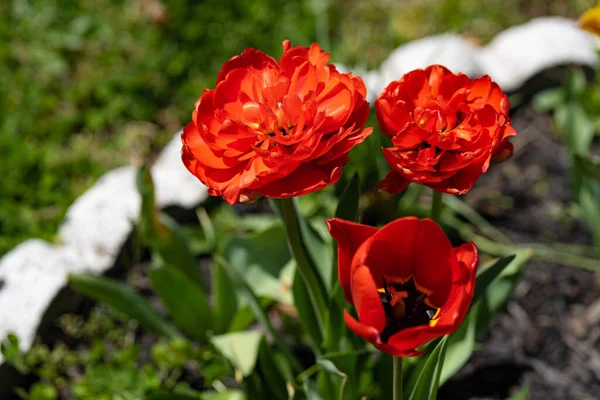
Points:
(504, 151)
(407, 341)
(398, 352)
(349, 237)
(366, 299)
(393, 183)
(468, 258)
(366, 332)
(197, 147)
(433, 269)
(390, 251)
(462, 181)
(250, 58)
(307, 178)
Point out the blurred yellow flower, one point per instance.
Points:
(590, 20)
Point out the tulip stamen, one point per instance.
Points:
(405, 306)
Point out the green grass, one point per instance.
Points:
(90, 85)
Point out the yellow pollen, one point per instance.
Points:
(435, 318)
(421, 122)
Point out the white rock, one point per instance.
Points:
(94, 231)
(519, 53)
(32, 274)
(452, 51)
(98, 223)
(514, 56)
(175, 185)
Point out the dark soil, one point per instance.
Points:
(549, 333)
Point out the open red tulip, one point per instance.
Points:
(406, 281)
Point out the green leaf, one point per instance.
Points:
(499, 290)
(495, 283)
(310, 389)
(549, 99)
(307, 317)
(263, 273)
(162, 234)
(488, 273)
(173, 396)
(335, 321)
(226, 395)
(384, 374)
(426, 385)
(576, 82)
(348, 209)
(12, 353)
(590, 164)
(271, 372)
(184, 300)
(307, 247)
(42, 391)
(244, 316)
(241, 286)
(463, 209)
(341, 366)
(581, 128)
(460, 346)
(124, 299)
(240, 348)
(349, 204)
(589, 195)
(225, 300)
(316, 248)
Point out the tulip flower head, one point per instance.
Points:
(275, 128)
(445, 129)
(406, 281)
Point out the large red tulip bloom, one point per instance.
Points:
(275, 129)
(406, 281)
(445, 129)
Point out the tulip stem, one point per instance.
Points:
(436, 206)
(397, 387)
(306, 268)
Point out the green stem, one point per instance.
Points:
(397, 387)
(436, 206)
(307, 270)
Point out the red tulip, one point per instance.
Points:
(445, 129)
(275, 128)
(406, 281)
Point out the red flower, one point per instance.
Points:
(445, 129)
(276, 129)
(406, 281)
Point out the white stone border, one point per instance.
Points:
(514, 56)
(90, 239)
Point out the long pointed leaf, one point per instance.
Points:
(124, 299)
(242, 287)
(224, 301)
(348, 207)
(184, 300)
(162, 234)
(426, 385)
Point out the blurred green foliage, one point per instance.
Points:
(108, 363)
(93, 84)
